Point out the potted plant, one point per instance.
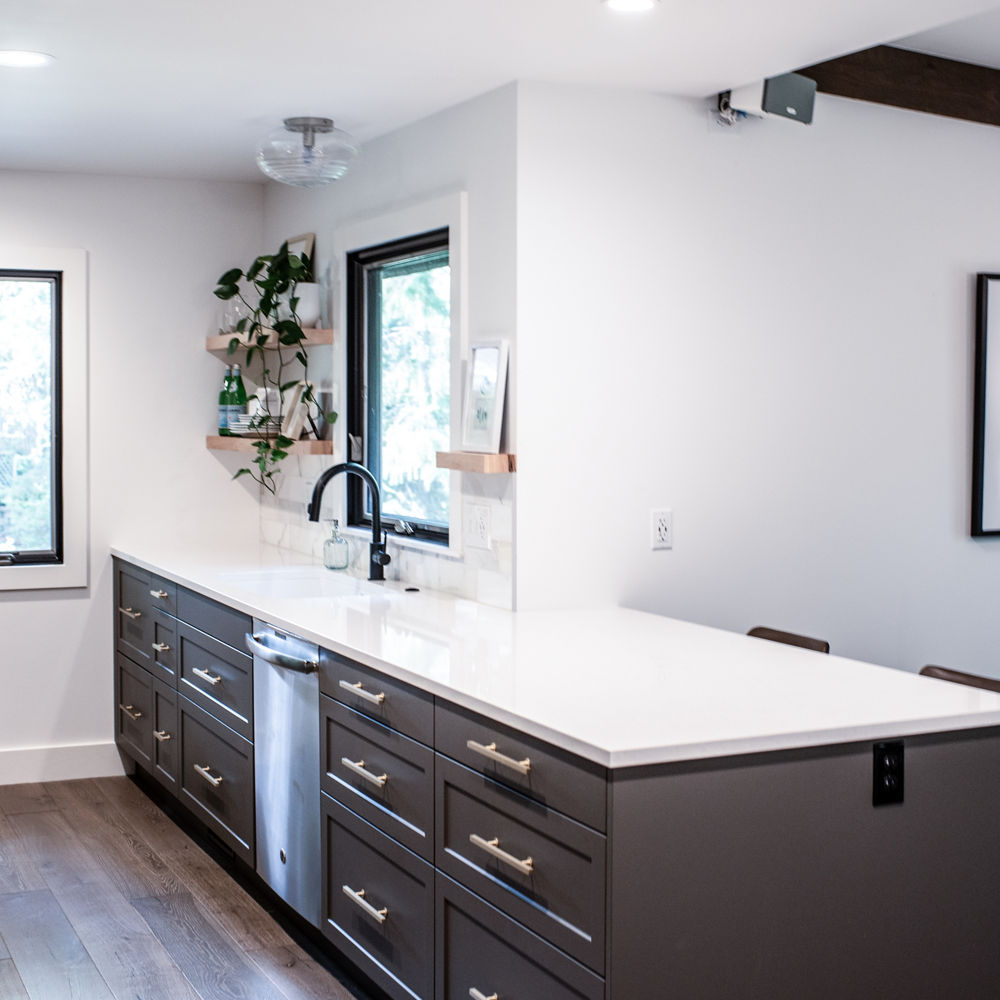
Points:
(268, 290)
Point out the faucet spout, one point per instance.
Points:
(378, 557)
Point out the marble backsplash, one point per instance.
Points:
(484, 575)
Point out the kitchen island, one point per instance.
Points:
(711, 831)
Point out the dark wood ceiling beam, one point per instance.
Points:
(905, 79)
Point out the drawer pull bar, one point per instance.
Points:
(210, 778)
(358, 767)
(162, 735)
(525, 867)
(130, 711)
(129, 613)
(359, 898)
(476, 995)
(356, 688)
(161, 647)
(160, 595)
(212, 679)
(490, 750)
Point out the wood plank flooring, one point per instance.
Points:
(103, 897)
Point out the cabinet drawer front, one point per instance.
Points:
(163, 647)
(478, 948)
(392, 702)
(216, 778)
(394, 947)
(398, 797)
(133, 612)
(166, 742)
(216, 677)
(226, 624)
(163, 595)
(134, 711)
(544, 869)
(555, 778)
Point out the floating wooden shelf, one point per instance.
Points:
(472, 461)
(314, 338)
(217, 442)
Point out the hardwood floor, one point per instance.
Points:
(103, 896)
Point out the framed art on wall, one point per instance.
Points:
(986, 425)
(485, 384)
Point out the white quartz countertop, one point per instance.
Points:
(616, 686)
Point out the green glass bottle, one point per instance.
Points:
(237, 395)
(224, 394)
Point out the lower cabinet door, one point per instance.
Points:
(166, 745)
(378, 904)
(134, 711)
(216, 778)
(482, 953)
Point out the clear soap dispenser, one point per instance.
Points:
(336, 554)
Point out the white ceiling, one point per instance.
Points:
(185, 88)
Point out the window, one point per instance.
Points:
(30, 431)
(400, 376)
(43, 418)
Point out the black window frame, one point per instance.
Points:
(362, 365)
(55, 555)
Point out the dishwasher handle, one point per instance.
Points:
(257, 648)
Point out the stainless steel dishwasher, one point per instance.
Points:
(286, 760)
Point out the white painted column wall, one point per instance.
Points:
(769, 330)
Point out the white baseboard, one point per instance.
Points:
(86, 760)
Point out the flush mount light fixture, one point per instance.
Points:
(306, 152)
(23, 59)
(630, 6)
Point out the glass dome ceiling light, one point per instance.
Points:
(306, 152)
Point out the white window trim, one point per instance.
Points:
(74, 569)
(451, 211)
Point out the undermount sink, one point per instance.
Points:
(298, 582)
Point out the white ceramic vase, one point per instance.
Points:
(307, 292)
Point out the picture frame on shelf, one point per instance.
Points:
(986, 409)
(302, 245)
(295, 412)
(485, 387)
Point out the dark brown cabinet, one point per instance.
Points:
(379, 906)
(216, 778)
(381, 774)
(184, 699)
(482, 953)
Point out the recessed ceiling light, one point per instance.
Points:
(22, 59)
(631, 6)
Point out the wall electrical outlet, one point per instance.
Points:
(661, 529)
(477, 526)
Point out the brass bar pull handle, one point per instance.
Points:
(525, 867)
(359, 898)
(358, 767)
(210, 778)
(129, 613)
(476, 995)
(160, 595)
(356, 688)
(130, 711)
(490, 751)
(212, 679)
(161, 647)
(162, 735)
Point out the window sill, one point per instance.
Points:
(443, 550)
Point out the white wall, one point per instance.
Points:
(470, 147)
(155, 249)
(769, 330)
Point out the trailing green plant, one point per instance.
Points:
(267, 290)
